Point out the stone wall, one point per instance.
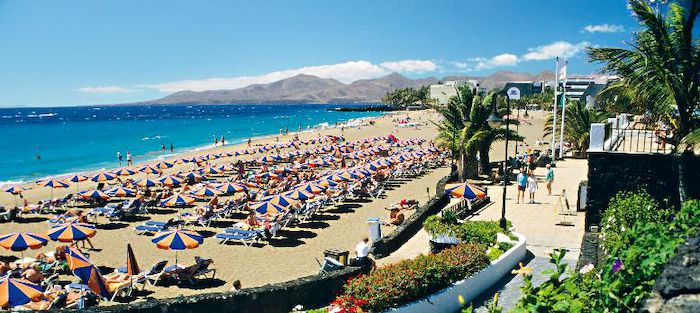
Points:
(610, 172)
(311, 291)
(678, 287)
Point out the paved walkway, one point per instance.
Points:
(538, 222)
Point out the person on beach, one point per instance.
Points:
(119, 158)
(531, 186)
(549, 179)
(162, 147)
(249, 142)
(522, 184)
(172, 148)
(223, 140)
(216, 141)
(129, 159)
(236, 285)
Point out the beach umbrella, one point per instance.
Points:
(325, 182)
(93, 194)
(178, 239)
(53, 184)
(103, 176)
(69, 232)
(170, 180)
(336, 178)
(15, 292)
(191, 175)
(177, 200)
(125, 171)
(77, 178)
(146, 183)
(209, 170)
(312, 188)
(121, 192)
(465, 190)
(267, 208)
(206, 192)
(163, 165)
(89, 274)
(15, 190)
(149, 170)
(230, 188)
(21, 241)
(132, 266)
(280, 200)
(299, 195)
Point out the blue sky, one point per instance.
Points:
(94, 52)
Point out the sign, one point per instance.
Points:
(513, 93)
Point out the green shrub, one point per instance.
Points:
(476, 232)
(413, 279)
(626, 209)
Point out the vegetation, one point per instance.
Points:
(413, 279)
(407, 96)
(577, 122)
(662, 68)
(465, 126)
(544, 99)
(475, 232)
(621, 282)
(626, 209)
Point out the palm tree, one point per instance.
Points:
(663, 64)
(577, 124)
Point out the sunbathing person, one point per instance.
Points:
(33, 274)
(396, 218)
(214, 203)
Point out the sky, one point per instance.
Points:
(63, 53)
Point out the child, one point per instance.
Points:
(531, 186)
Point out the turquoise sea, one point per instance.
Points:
(72, 139)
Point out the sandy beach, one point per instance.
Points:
(291, 255)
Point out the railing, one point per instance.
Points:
(619, 134)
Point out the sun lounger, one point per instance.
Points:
(151, 276)
(246, 237)
(153, 227)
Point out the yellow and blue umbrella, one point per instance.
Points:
(191, 175)
(177, 200)
(206, 192)
(53, 184)
(89, 274)
(132, 266)
(146, 183)
(77, 178)
(337, 178)
(230, 188)
(121, 192)
(15, 190)
(125, 171)
(465, 190)
(209, 170)
(149, 170)
(280, 200)
(312, 188)
(21, 241)
(299, 195)
(14, 292)
(93, 194)
(69, 232)
(103, 176)
(163, 165)
(325, 182)
(170, 180)
(178, 239)
(267, 208)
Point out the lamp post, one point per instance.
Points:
(495, 122)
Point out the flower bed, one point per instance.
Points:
(413, 279)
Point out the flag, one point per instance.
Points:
(562, 71)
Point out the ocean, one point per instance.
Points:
(74, 139)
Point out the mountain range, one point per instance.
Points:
(311, 89)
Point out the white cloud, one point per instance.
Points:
(561, 49)
(604, 28)
(105, 89)
(506, 59)
(410, 66)
(346, 72)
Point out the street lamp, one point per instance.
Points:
(494, 122)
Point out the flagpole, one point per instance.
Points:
(556, 103)
(563, 111)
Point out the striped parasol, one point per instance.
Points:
(21, 241)
(15, 190)
(299, 195)
(121, 192)
(170, 180)
(267, 208)
(178, 239)
(102, 177)
(125, 171)
(312, 188)
(15, 292)
(149, 170)
(53, 184)
(465, 190)
(146, 183)
(206, 191)
(325, 182)
(163, 165)
(70, 232)
(280, 200)
(89, 274)
(177, 200)
(93, 194)
(230, 188)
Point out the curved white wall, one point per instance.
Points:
(446, 300)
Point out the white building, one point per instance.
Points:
(443, 92)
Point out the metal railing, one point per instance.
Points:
(637, 137)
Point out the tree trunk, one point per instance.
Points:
(471, 166)
(484, 160)
(681, 159)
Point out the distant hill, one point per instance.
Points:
(312, 89)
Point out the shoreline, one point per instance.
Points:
(186, 151)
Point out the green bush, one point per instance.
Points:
(413, 279)
(626, 209)
(476, 232)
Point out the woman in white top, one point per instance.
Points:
(532, 186)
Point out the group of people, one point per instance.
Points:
(527, 180)
(129, 158)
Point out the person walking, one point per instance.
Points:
(531, 186)
(522, 184)
(172, 148)
(549, 179)
(119, 158)
(129, 159)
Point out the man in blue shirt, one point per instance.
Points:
(522, 183)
